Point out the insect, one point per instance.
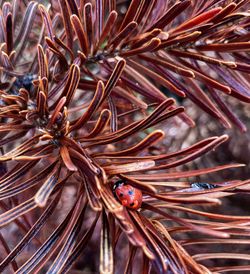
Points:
(203, 186)
(128, 195)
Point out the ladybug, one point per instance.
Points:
(128, 195)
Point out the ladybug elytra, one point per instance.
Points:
(128, 195)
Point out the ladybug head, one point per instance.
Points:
(118, 184)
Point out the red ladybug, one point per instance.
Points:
(128, 195)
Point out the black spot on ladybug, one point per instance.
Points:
(132, 204)
(121, 194)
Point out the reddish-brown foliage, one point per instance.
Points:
(81, 105)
